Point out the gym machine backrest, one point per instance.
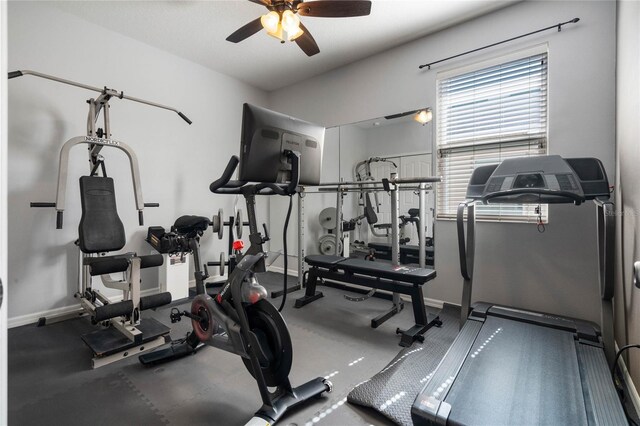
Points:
(100, 229)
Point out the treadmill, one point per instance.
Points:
(514, 367)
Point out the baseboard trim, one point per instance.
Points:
(628, 381)
(280, 270)
(34, 317)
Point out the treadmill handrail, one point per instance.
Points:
(466, 250)
(606, 252)
(577, 199)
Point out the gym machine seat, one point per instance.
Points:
(100, 231)
(510, 366)
(397, 279)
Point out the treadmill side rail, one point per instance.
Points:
(599, 394)
(429, 406)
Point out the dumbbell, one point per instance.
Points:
(223, 262)
(218, 223)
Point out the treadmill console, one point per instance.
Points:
(541, 179)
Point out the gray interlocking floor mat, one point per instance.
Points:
(391, 392)
(90, 398)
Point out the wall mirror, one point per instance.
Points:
(372, 149)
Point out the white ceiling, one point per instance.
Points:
(196, 30)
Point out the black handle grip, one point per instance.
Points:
(140, 218)
(226, 175)
(295, 171)
(184, 117)
(152, 204)
(14, 74)
(59, 220)
(266, 231)
(39, 204)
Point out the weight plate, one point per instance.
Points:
(215, 224)
(221, 222)
(239, 224)
(327, 218)
(222, 263)
(328, 244)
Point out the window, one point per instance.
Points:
(485, 115)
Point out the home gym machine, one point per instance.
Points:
(101, 231)
(511, 366)
(334, 270)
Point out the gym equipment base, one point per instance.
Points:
(287, 400)
(109, 344)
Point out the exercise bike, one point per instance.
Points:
(239, 319)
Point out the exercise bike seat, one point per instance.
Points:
(191, 225)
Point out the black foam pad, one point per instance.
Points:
(369, 212)
(188, 224)
(100, 228)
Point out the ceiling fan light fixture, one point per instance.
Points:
(271, 22)
(295, 35)
(290, 22)
(278, 33)
(423, 116)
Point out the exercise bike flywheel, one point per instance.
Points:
(267, 324)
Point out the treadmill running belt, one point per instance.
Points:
(517, 373)
(392, 391)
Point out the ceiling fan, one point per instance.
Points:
(283, 23)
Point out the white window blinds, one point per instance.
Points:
(486, 116)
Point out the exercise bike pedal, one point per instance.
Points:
(175, 315)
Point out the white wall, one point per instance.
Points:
(3, 212)
(627, 191)
(177, 161)
(555, 271)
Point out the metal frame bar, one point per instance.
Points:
(105, 90)
(63, 167)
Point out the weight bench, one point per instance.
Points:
(377, 275)
(409, 253)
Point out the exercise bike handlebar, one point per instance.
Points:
(224, 184)
(105, 90)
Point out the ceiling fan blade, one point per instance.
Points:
(306, 42)
(335, 8)
(244, 32)
(262, 2)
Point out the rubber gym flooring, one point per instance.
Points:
(51, 381)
